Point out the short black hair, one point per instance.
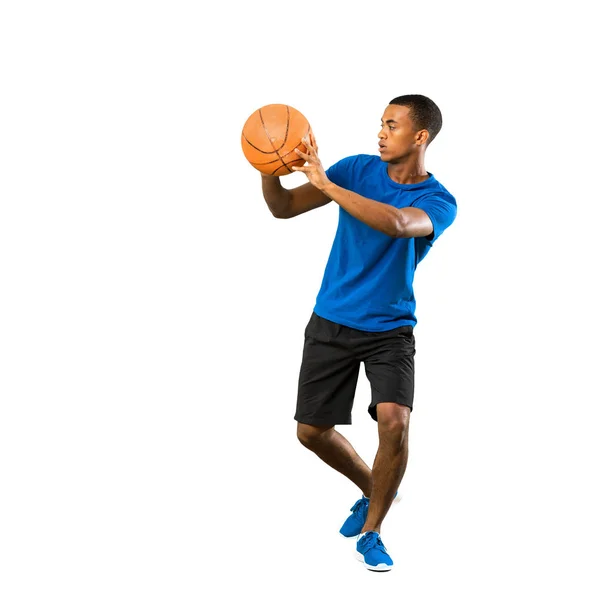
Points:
(424, 113)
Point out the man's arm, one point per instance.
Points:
(285, 204)
(395, 222)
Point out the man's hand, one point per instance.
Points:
(313, 169)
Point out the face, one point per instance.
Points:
(398, 137)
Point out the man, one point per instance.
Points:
(391, 212)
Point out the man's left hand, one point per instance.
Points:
(313, 169)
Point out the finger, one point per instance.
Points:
(302, 154)
(313, 141)
(303, 169)
(306, 142)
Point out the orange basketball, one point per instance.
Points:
(270, 136)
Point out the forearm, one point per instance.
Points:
(275, 195)
(379, 216)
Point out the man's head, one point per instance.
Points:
(409, 124)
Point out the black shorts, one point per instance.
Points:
(331, 363)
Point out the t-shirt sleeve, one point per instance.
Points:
(441, 211)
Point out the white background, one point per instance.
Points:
(152, 310)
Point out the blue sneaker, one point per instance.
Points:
(356, 521)
(371, 551)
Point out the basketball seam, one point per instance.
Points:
(287, 128)
(283, 163)
(259, 150)
(275, 150)
(281, 159)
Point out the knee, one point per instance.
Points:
(311, 435)
(393, 422)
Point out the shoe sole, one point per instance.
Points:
(380, 567)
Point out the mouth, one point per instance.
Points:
(381, 148)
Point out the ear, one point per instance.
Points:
(422, 137)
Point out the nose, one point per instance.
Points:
(381, 134)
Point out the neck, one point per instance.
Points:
(411, 170)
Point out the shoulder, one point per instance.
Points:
(356, 161)
(437, 191)
(354, 166)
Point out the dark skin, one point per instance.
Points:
(402, 147)
(380, 483)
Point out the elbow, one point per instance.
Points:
(402, 227)
(280, 210)
(279, 214)
(398, 227)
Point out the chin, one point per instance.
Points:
(393, 159)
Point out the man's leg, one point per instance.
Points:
(390, 461)
(335, 450)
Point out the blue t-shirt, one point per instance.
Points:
(368, 280)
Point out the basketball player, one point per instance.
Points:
(391, 212)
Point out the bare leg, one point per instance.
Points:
(390, 461)
(334, 449)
